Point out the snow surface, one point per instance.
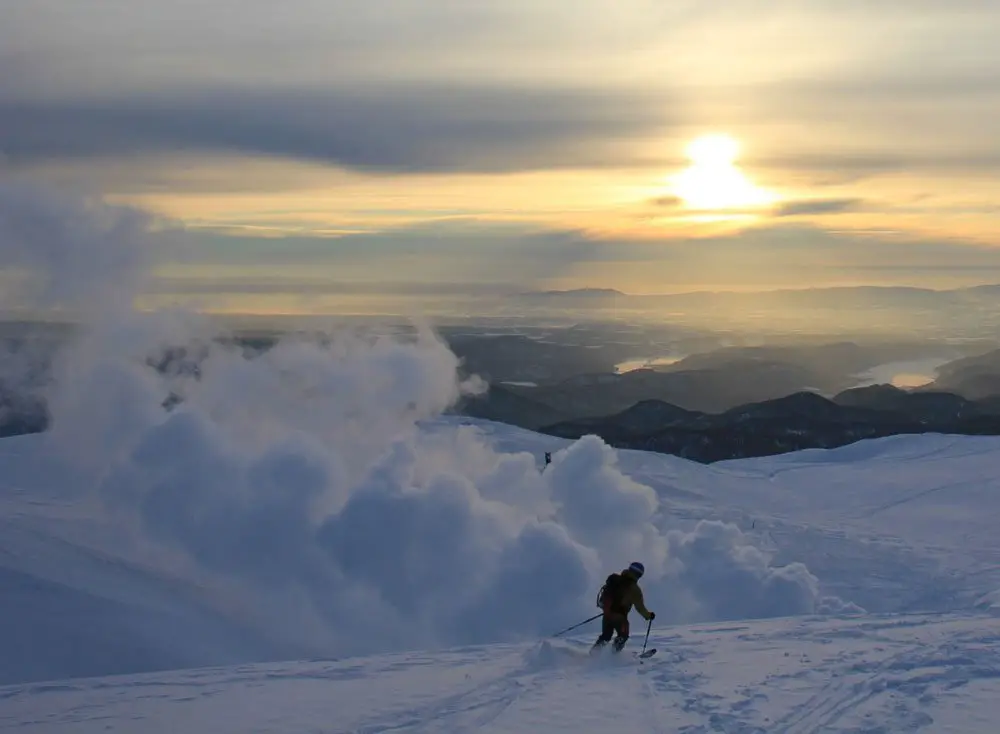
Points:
(314, 505)
(781, 547)
(879, 674)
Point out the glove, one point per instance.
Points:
(652, 616)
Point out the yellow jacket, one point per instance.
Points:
(630, 595)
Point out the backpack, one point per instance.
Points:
(610, 595)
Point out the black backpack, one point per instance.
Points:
(610, 595)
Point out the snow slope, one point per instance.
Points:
(934, 673)
(898, 526)
(895, 525)
(311, 503)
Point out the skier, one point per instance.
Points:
(617, 597)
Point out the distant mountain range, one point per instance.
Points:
(799, 421)
(834, 296)
(973, 377)
(755, 401)
(721, 379)
(577, 293)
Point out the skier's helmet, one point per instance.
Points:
(637, 568)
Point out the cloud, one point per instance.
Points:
(818, 206)
(449, 260)
(70, 252)
(336, 83)
(717, 574)
(61, 252)
(302, 480)
(783, 255)
(835, 167)
(396, 128)
(302, 477)
(442, 259)
(667, 202)
(315, 486)
(318, 285)
(600, 507)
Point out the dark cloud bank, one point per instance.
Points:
(413, 128)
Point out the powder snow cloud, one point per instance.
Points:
(317, 486)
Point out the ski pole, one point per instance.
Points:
(648, 628)
(578, 625)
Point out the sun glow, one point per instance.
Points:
(713, 180)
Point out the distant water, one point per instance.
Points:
(908, 373)
(905, 373)
(644, 362)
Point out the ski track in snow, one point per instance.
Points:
(862, 676)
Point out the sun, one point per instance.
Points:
(713, 180)
(713, 151)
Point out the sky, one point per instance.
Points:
(409, 146)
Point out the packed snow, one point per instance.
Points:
(301, 541)
(931, 673)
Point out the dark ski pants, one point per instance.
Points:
(614, 624)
